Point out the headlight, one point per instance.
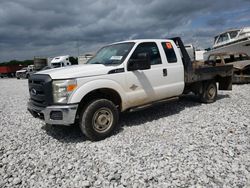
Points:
(62, 90)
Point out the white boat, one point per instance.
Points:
(234, 40)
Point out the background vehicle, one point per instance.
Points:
(82, 59)
(9, 70)
(233, 40)
(46, 68)
(25, 72)
(21, 73)
(240, 61)
(62, 61)
(194, 54)
(122, 77)
(41, 62)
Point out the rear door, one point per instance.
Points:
(174, 81)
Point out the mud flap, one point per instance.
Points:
(225, 83)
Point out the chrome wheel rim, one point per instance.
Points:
(211, 92)
(102, 120)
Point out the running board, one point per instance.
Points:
(138, 108)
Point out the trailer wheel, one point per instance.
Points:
(209, 92)
(99, 119)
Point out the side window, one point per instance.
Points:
(215, 38)
(228, 58)
(243, 57)
(223, 37)
(218, 59)
(233, 34)
(211, 58)
(151, 49)
(169, 51)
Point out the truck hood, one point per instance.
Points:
(77, 71)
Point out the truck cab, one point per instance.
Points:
(60, 61)
(121, 76)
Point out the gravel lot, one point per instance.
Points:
(177, 144)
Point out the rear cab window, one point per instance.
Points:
(169, 52)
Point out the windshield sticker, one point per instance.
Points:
(116, 58)
(169, 45)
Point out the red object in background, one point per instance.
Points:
(9, 69)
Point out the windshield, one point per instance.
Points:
(113, 54)
(55, 65)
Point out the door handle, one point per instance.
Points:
(165, 72)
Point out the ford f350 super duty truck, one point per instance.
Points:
(120, 77)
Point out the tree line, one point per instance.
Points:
(17, 62)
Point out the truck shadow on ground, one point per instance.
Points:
(73, 134)
(162, 110)
(65, 134)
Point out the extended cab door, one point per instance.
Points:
(162, 80)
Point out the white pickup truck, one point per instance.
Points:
(120, 77)
(62, 61)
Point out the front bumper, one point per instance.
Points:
(56, 115)
(21, 75)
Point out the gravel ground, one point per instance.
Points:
(177, 144)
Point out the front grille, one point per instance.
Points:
(40, 89)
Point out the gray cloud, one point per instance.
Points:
(49, 28)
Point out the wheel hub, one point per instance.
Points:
(102, 120)
(211, 92)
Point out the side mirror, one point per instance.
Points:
(142, 62)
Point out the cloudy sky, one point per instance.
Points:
(56, 27)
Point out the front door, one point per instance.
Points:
(163, 80)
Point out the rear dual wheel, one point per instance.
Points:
(209, 92)
(99, 119)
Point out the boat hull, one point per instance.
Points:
(243, 47)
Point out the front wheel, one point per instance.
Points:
(209, 92)
(99, 119)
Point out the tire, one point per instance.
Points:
(209, 92)
(99, 119)
(18, 78)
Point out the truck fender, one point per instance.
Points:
(84, 89)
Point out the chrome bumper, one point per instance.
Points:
(67, 113)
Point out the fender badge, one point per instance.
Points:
(133, 87)
(33, 91)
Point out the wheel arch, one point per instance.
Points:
(105, 93)
(100, 89)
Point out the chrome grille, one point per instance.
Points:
(40, 89)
